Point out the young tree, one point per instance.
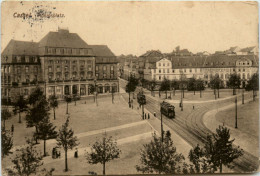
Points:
(131, 86)
(165, 86)
(200, 86)
(46, 131)
(66, 140)
(103, 152)
(234, 82)
(7, 142)
(27, 161)
(5, 115)
(36, 113)
(219, 148)
(20, 106)
(216, 83)
(35, 96)
(141, 101)
(68, 100)
(160, 157)
(253, 84)
(152, 85)
(53, 104)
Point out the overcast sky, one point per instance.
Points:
(135, 27)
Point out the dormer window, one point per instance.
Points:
(62, 51)
(69, 51)
(35, 59)
(54, 50)
(27, 59)
(18, 58)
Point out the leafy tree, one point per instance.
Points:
(165, 86)
(7, 142)
(200, 86)
(152, 85)
(220, 150)
(5, 115)
(103, 152)
(192, 85)
(141, 101)
(68, 100)
(216, 83)
(131, 86)
(35, 96)
(253, 84)
(160, 157)
(27, 161)
(91, 88)
(53, 104)
(20, 106)
(46, 131)
(36, 113)
(75, 98)
(234, 82)
(66, 140)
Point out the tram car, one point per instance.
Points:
(168, 110)
(141, 97)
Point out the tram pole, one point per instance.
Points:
(236, 112)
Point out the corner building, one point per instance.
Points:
(61, 63)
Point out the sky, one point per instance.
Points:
(135, 27)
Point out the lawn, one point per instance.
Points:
(248, 118)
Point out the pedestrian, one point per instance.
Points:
(76, 153)
(148, 116)
(145, 116)
(193, 107)
(12, 128)
(132, 106)
(154, 114)
(53, 152)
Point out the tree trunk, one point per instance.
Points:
(66, 162)
(44, 147)
(129, 100)
(143, 111)
(54, 113)
(200, 93)
(220, 167)
(75, 102)
(166, 94)
(104, 168)
(36, 137)
(194, 92)
(218, 93)
(67, 108)
(20, 121)
(4, 125)
(183, 93)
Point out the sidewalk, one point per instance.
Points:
(245, 141)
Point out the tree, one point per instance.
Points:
(234, 82)
(27, 161)
(216, 83)
(53, 104)
(35, 96)
(66, 140)
(7, 142)
(68, 100)
(253, 84)
(75, 98)
(165, 86)
(103, 152)
(192, 85)
(141, 101)
(91, 88)
(200, 86)
(20, 106)
(219, 149)
(46, 131)
(5, 115)
(160, 157)
(152, 85)
(36, 113)
(131, 86)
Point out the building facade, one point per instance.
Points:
(61, 64)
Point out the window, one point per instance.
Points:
(159, 77)
(190, 70)
(74, 68)
(74, 62)
(35, 77)
(54, 50)
(18, 58)
(96, 68)
(50, 61)
(27, 59)
(163, 71)
(26, 69)
(26, 92)
(81, 51)
(66, 76)
(62, 51)
(35, 59)
(35, 69)
(168, 64)
(66, 68)
(90, 67)
(66, 62)
(27, 77)
(49, 50)
(104, 75)
(243, 70)
(18, 70)
(163, 64)
(112, 68)
(168, 70)
(77, 51)
(159, 70)
(104, 68)
(185, 70)
(159, 64)
(172, 70)
(69, 51)
(85, 51)
(50, 69)
(58, 69)
(244, 76)
(82, 62)
(57, 61)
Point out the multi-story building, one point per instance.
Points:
(61, 64)
(205, 68)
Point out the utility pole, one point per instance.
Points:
(236, 112)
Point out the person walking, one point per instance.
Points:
(145, 116)
(76, 153)
(148, 116)
(12, 128)
(154, 114)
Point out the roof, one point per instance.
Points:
(152, 53)
(248, 49)
(16, 47)
(101, 50)
(63, 38)
(211, 61)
